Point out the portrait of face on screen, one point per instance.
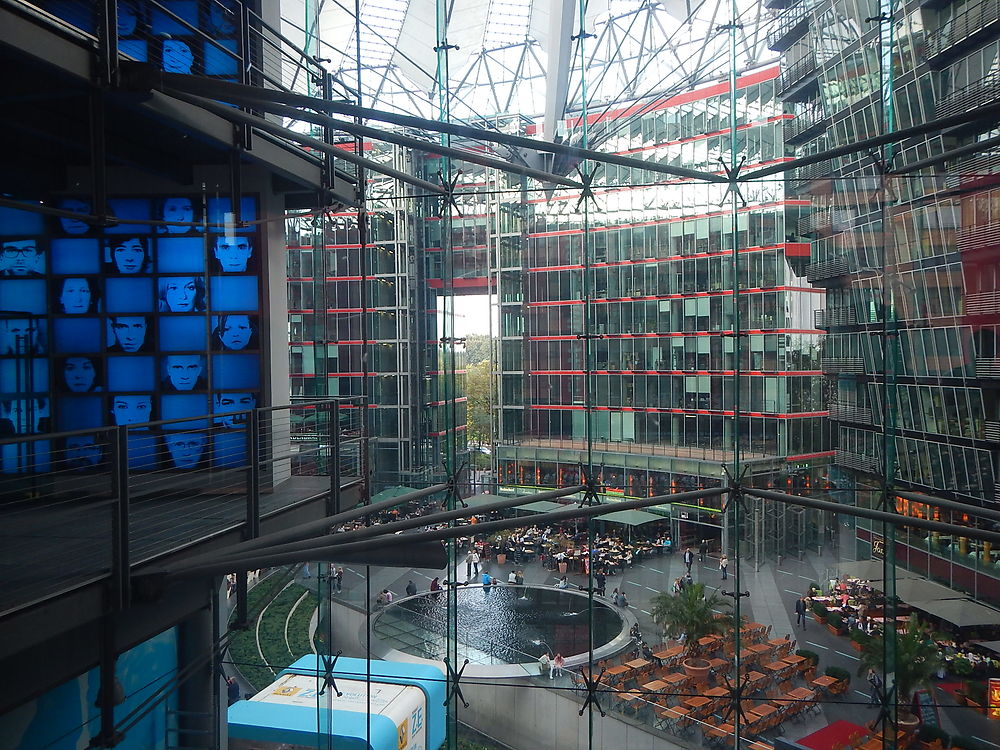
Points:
(186, 449)
(22, 336)
(77, 295)
(227, 403)
(131, 409)
(21, 257)
(221, 18)
(129, 255)
(178, 209)
(234, 332)
(80, 374)
(181, 294)
(177, 56)
(77, 206)
(184, 372)
(128, 333)
(81, 452)
(233, 253)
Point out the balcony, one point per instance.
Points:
(977, 94)
(847, 412)
(846, 365)
(796, 77)
(983, 303)
(819, 170)
(829, 269)
(964, 31)
(857, 461)
(991, 431)
(987, 367)
(832, 317)
(807, 122)
(965, 172)
(788, 27)
(978, 237)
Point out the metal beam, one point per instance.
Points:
(226, 90)
(242, 118)
(559, 48)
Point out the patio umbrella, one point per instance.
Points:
(919, 590)
(541, 506)
(963, 613)
(871, 570)
(632, 517)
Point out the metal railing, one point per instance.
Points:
(806, 118)
(977, 94)
(797, 71)
(789, 26)
(114, 497)
(969, 23)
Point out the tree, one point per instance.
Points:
(917, 659)
(692, 613)
(477, 348)
(478, 385)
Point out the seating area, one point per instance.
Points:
(775, 688)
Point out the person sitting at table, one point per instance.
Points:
(557, 665)
(622, 599)
(545, 664)
(563, 583)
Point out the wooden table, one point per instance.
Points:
(697, 702)
(778, 642)
(717, 692)
(630, 696)
(776, 666)
(723, 730)
(802, 694)
(637, 663)
(655, 686)
(615, 673)
(763, 710)
(669, 653)
(759, 746)
(760, 648)
(674, 678)
(709, 640)
(794, 659)
(824, 682)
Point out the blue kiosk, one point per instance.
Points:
(400, 708)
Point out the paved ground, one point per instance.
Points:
(773, 590)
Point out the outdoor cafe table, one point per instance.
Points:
(674, 678)
(709, 641)
(763, 710)
(778, 642)
(717, 692)
(655, 686)
(723, 730)
(759, 746)
(776, 666)
(616, 672)
(675, 716)
(697, 702)
(754, 678)
(760, 648)
(794, 659)
(669, 653)
(637, 663)
(802, 694)
(824, 682)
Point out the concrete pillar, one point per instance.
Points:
(198, 712)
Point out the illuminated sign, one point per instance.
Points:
(993, 699)
(878, 547)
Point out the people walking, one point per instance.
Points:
(468, 565)
(688, 558)
(876, 682)
(338, 579)
(724, 567)
(702, 550)
(475, 562)
(602, 581)
(800, 612)
(411, 589)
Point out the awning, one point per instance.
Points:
(632, 517)
(919, 590)
(963, 613)
(871, 570)
(391, 492)
(542, 506)
(477, 500)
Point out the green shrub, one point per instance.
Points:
(960, 666)
(820, 609)
(810, 655)
(298, 626)
(835, 620)
(976, 690)
(838, 673)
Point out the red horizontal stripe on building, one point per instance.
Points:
(662, 410)
(755, 373)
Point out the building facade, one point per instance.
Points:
(908, 261)
(650, 280)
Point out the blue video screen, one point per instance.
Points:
(153, 318)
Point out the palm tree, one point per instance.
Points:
(692, 613)
(917, 660)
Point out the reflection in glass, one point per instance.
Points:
(22, 336)
(24, 416)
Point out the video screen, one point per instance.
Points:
(154, 318)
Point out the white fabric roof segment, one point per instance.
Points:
(538, 24)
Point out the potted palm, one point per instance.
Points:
(691, 613)
(917, 661)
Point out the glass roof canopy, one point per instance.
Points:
(502, 49)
